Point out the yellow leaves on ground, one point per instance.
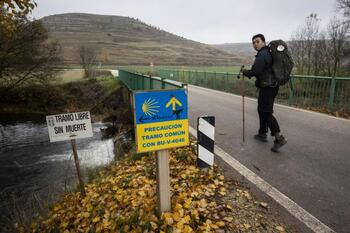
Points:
(168, 218)
(96, 219)
(124, 200)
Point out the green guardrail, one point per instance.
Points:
(332, 93)
(137, 81)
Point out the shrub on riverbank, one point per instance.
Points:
(60, 97)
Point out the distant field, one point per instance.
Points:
(74, 75)
(231, 69)
(67, 76)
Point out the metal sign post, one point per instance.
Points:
(161, 123)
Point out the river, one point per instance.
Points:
(33, 170)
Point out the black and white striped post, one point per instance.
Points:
(205, 145)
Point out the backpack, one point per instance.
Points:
(282, 62)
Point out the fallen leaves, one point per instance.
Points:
(263, 204)
(124, 200)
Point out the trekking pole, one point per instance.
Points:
(243, 110)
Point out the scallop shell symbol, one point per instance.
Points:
(280, 48)
(150, 107)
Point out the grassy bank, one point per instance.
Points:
(69, 91)
(122, 198)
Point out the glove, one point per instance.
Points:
(244, 71)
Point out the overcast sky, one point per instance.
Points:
(207, 21)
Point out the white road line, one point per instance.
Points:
(279, 105)
(293, 208)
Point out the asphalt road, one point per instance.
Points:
(312, 169)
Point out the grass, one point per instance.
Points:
(142, 69)
(68, 76)
(109, 82)
(103, 77)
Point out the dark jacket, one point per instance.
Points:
(262, 69)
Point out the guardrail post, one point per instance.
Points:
(214, 84)
(134, 81)
(163, 83)
(151, 83)
(291, 92)
(226, 84)
(331, 94)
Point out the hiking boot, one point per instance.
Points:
(278, 143)
(261, 137)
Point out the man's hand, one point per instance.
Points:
(244, 71)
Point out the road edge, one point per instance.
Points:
(293, 208)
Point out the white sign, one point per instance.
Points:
(69, 126)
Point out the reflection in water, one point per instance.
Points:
(29, 163)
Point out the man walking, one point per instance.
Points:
(268, 89)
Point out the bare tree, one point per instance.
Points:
(321, 55)
(323, 45)
(344, 5)
(297, 47)
(311, 30)
(25, 55)
(337, 31)
(303, 43)
(88, 59)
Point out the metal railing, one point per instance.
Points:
(137, 81)
(329, 93)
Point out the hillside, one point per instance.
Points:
(244, 51)
(125, 41)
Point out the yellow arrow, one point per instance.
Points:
(174, 102)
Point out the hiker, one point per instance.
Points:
(268, 89)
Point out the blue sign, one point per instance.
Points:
(160, 106)
(161, 119)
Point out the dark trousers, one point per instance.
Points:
(266, 100)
